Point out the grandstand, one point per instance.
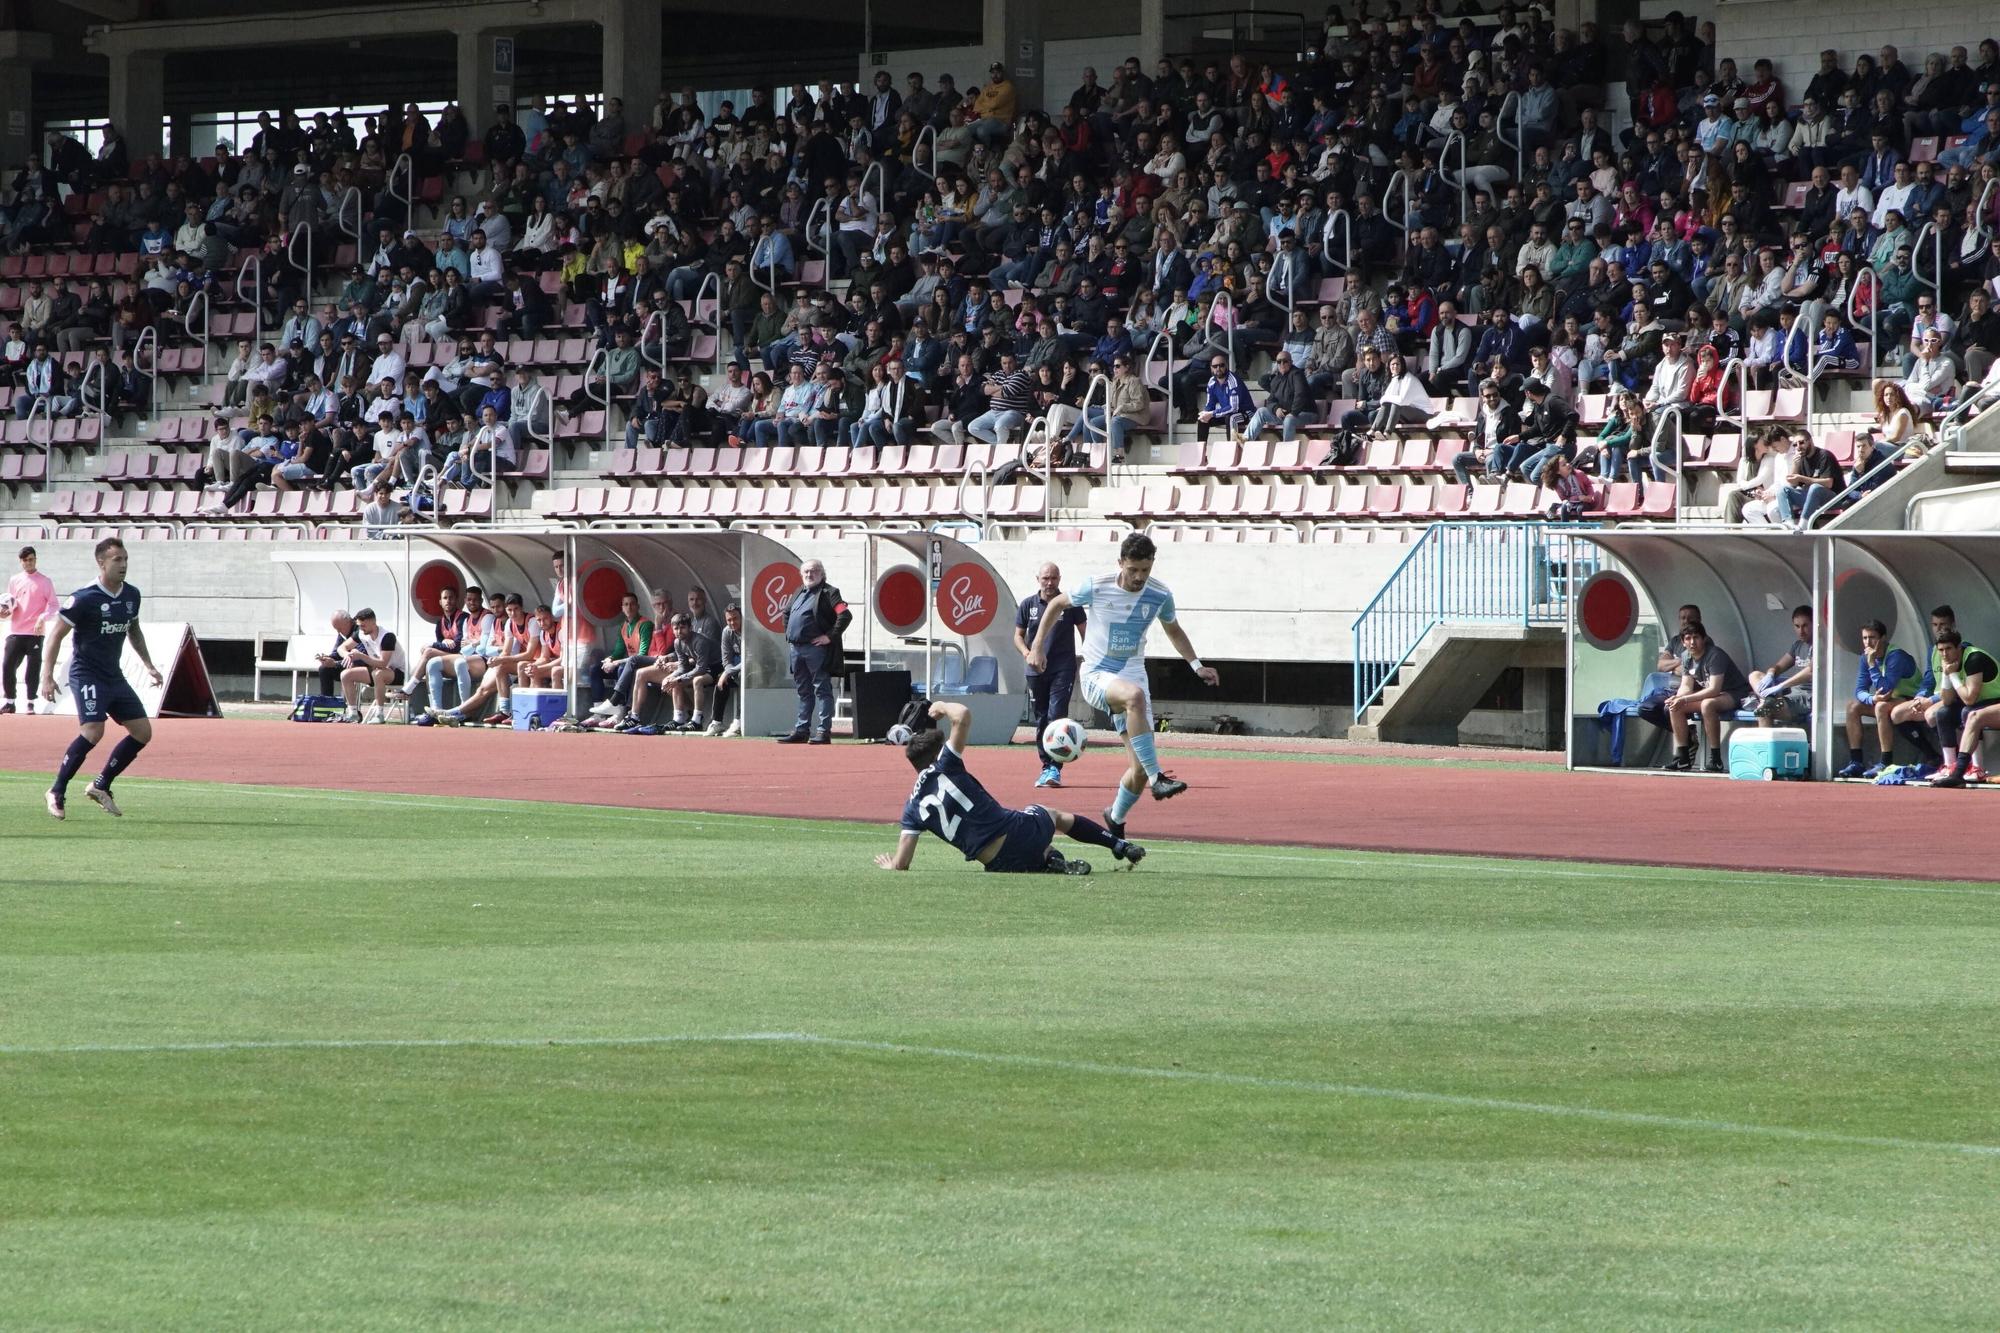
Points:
(1218, 189)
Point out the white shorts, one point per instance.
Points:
(1096, 682)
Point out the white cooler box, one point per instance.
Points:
(536, 709)
(1759, 754)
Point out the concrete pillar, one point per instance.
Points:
(19, 52)
(485, 75)
(1152, 34)
(632, 56)
(1013, 29)
(139, 101)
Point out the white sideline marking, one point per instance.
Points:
(1331, 857)
(1410, 1096)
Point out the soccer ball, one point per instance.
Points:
(1064, 740)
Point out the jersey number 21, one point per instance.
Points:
(934, 804)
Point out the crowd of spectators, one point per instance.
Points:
(1500, 243)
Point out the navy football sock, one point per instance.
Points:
(1090, 831)
(122, 755)
(79, 750)
(1921, 736)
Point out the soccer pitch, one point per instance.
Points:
(327, 1059)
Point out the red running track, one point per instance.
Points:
(1391, 807)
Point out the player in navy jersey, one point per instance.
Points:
(101, 617)
(948, 801)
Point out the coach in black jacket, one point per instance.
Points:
(814, 622)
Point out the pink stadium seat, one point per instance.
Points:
(1384, 500)
(1658, 500)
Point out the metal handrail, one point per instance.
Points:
(1346, 222)
(1874, 315)
(1091, 395)
(596, 362)
(927, 128)
(821, 209)
(292, 254)
(405, 164)
(351, 193)
(653, 319)
(1483, 572)
(1980, 212)
(1738, 370)
(1145, 368)
(253, 268)
(1041, 431)
(188, 326)
(1885, 468)
(1403, 222)
(94, 372)
(1672, 412)
(1464, 188)
(985, 484)
(150, 334)
(40, 408)
(1936, 281)
(711, 280)
(881, 179)
(1222, 297)
(1519, 142)
(771, 267)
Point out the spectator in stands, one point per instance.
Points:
(1288, 401)
(1894, 440)
(1968, 683)
(1548, 432)
(1226, 401)
(1496, 431)
(1815, 478)
(43, 384)
(1009, 392)
(1753, 497)
(1884, 678)
(370, 658)
(1711, 688)
(1930, 379)
(1404, 401)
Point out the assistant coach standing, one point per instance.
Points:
(813, 625)
(1050, 687)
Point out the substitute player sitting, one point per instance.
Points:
(949, 802)
(1123, 606)
(102, 616)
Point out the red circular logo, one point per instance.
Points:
(1607, 609)
(429, 581)
(770, 594)
(899, 599)
(603, 589)
(967, 599)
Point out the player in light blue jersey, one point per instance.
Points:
(1123, 607)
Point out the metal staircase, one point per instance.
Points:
(1469, 601)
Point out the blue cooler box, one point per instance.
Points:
(1759, 754)
(536, 709)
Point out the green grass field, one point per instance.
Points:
(260, 1067)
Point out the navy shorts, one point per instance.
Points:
(1026, 851)
(97, 699)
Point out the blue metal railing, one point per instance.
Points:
(1486, 573)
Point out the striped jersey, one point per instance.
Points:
(1116, 633)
